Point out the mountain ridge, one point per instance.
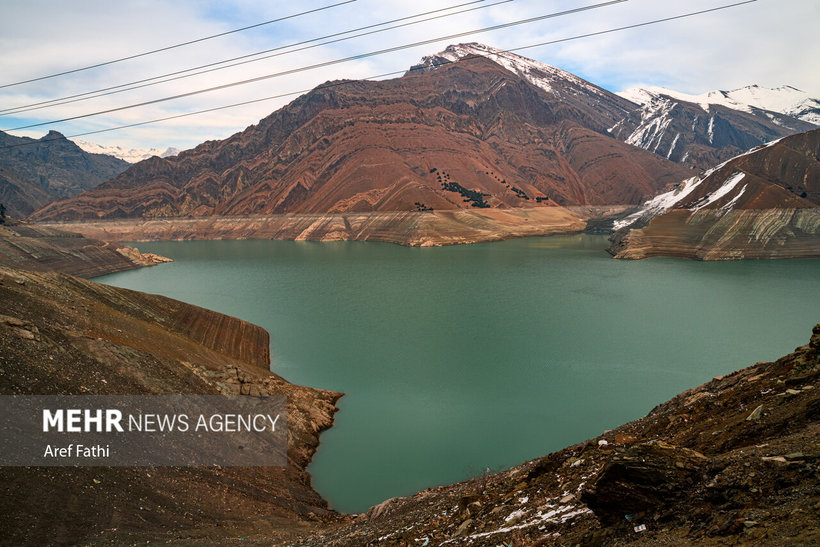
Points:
(704, 130)
(38, 171)
(764, 203)
(467, 135)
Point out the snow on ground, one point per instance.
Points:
(724, 189)
(784, 99)
(660, 203)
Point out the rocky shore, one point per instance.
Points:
(724, 235)
(60, 334)
(37, 248)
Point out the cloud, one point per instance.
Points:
(769, 43)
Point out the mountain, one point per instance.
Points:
(56, 164)
(20, 196)
(704, 130)
(785, 100)
(130, 155)
(762, 204)
(467, 135)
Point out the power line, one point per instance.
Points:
(166, 48)
(173, 75)
(325, 64)
(442, 63)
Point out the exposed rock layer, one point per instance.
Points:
(38, 248)
(63, 335)
(405, 228)
(733, 235)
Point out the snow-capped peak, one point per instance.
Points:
(132, 155)
(539, 74)
(783, 100)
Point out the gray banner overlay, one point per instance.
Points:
(142, 430)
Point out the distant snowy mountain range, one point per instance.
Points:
(704, 130)
(782, 100)
(132, 155)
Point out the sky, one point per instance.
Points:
(766, 42)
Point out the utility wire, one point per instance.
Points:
(166, 48)
(325, 64)
(335, 84)
(133, 85)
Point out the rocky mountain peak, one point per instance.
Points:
(53, 136)
(549, 78)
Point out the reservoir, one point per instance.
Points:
(459, 359)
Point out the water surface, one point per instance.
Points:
(458, 359)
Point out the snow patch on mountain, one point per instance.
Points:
(785, 100)
(728, 185)
(132, 155)
(655, 119)
(676, 198)
(539, 74)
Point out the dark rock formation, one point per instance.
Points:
(20, 196)
(35, 172)
(642, 477)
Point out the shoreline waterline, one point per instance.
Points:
(455, 359)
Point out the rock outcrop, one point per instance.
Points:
(42, 249)
(762, 204)
(467, 135)
(63, 335)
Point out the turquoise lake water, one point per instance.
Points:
(458, 359)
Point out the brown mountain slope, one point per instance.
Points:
(470, 134)
(762, 204)
(63, 335)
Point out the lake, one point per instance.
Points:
(458, 359)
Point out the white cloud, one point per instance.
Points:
(769, 43)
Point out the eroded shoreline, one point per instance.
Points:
(411, 228)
